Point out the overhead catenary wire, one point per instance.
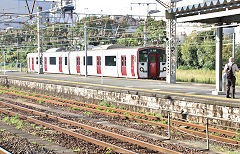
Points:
(102, 33)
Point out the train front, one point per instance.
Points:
(152, 63)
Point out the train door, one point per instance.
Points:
(153, 66)
(123, 65)
(132, 65)
(32, 63)
(60, 64)
(45, 63)
(78, 64)
(99, 65)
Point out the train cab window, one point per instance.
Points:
(163, 58)
(143, 55)
(52, 61)
(110, 61)
(89, 60)
(162, 55)
(66, 61)
(36, 60)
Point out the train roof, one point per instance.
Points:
(101, 48)
(109, 46)
(55, 50)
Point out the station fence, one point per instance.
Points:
(11, 67)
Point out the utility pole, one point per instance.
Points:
(40, 54)
(145, 38)
(145, 33)
(4, 63)
(171, 49)
(86, 47)
(234, 45)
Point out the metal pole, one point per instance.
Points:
(234, 44)
(20, 67)
(17, 61)
(219, 39)
(207, 137)
(145, 29)
(40, 68)
(171, 49)
(169, 126)
(145, 33)
(17, 56)
(4, 72)
(16, 66)
(101, 62)
(85, 41)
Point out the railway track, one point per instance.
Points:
(122, 114)
(73, 123)
(3, 151)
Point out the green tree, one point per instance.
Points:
(156, 34)
(189, 50)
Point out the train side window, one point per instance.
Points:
(66, 61)
(52, 61)
(89, 60)
(122, 61)
(77, 60)
(36, 60)
(110, 61)
(125, 61)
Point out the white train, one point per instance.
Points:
(146, 62)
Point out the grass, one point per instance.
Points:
(14, 121)
(40, 101)
(77, 150)
(12, 66)
(74, 108)
(200, 76)
(21, 99)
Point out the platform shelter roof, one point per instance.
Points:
(210, 12)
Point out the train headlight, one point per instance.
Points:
(141, 69)
(164, 68)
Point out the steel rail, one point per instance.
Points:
(3, 151)
(130, 118)
(71, 133)
(100, 131)
(201, 127)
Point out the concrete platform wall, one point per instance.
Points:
(191, 109)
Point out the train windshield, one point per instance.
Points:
(143, 55)
(162, 57)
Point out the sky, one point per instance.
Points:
(123, 7)
(114, 7)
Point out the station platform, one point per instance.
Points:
(192, 90)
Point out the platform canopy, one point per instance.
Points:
(210, 12)
(219, 12)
